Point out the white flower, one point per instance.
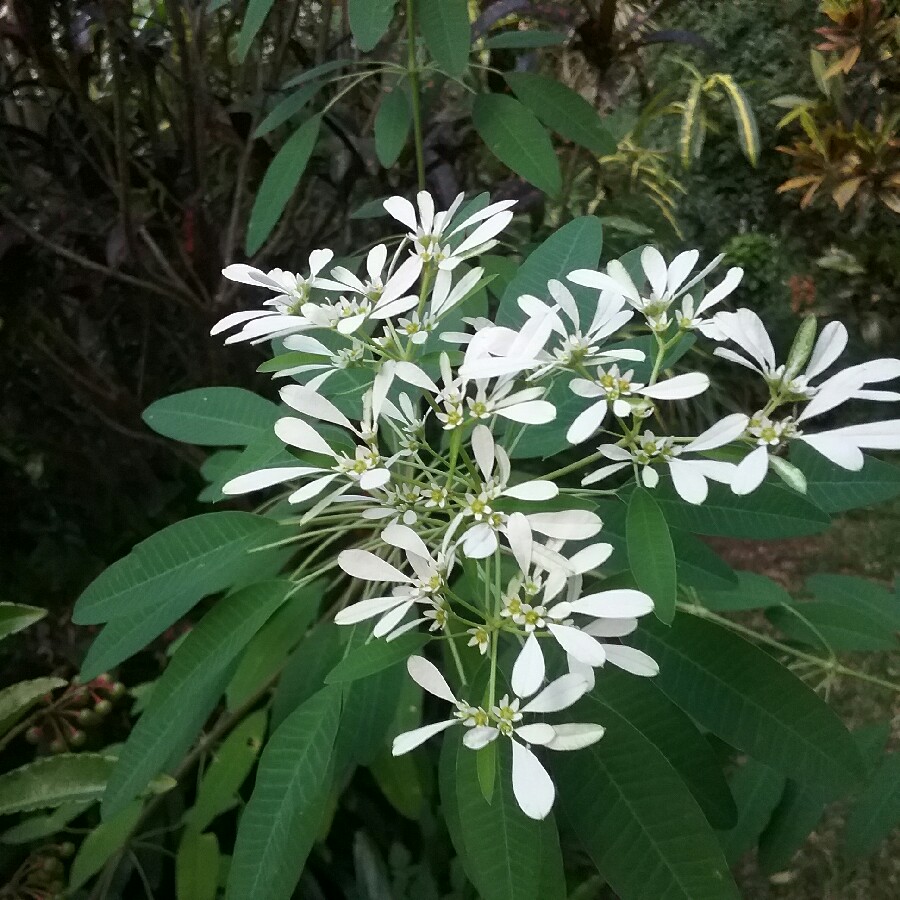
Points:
(689, 476)
(612, 388)
(667, 284)
(479, 637)
(291, 293)
(532, 785)
(426, 584)
(431, 235)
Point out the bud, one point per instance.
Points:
(34, 734)
(102, 707)
(116, 689)
(802, 347)
(81, 695)
(66, 849)
(77, 737)
(58, 745)
(87, 717)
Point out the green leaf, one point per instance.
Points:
(399, 779)
(102, 842)
(860, 594)
(269, 649)
(748, 132)
(369, 20)
(795, 816)
(650, 553)
(226, 773)
(836, 489)
(316, 72)
(577, 245)
(18, 698)
(371, 209)
(282, 819)
(56, 780)
(748, 699)
(45, 825)
(647, 836)
(524, 40)
(699, 566)
(392, 125)
(502, 849)
(516, 137)
(831, 626)
(267, 450)
(486, 764)
(445, 27)
(753, 591)
(646, 708)
(187, 691)
(768, 513)
(691, 125)
(876, 812)
(256, 13)
(196, 557)
(15, 617)
(197, 867)
(562, 110)
(376, 656)
(286, 109)
(212, 417)
(757, 790)
(280, 181)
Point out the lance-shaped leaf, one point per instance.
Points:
(392, 125)
(279, 182)
(369, 20)
(651, 554)
(194, 557)
(562, 110)
(447, 32)
(757, 790)
(647, 836)
(197, 867)
(16, 616)
(832, 626)
(860, 594)
(189, 688)
(17, 699)
(752, 591)
(748, 699)
(102, 842)
(255, 15)
(376, 656)
(212, 417)
(503, 852)
(748, 131)
(282, 819)
(876, 812)
(44, 825)
(796, 815)
(524, 40)
(287, 108)
(698, 565)
(515, 136)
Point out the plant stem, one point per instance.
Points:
(412, 67)
(573, 467)
(827, 665)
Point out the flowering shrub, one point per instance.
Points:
(498, 496)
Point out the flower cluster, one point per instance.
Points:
(408, 405)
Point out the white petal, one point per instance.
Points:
(406, 539)
(559, 694)
(688, 480)
(237, 318)
(534, 412)
(532, 786)
(838, 450)
(479, 542)
(832, 392)
(567, 525)
(483, 449)
(650, 477)
(582, 646)
(412, 374)
(723, 432)
(750, 472)
(680, 268)
(602, 472)
(528, 670)
(409, 740)
(532, 490)
(539, 733)
(484, 232)
(302, 435)
(611, 627)
(313, 489)
(575, 736)
(263, 478)
(309, 403)
(602, 281)
(622, 603)
(518, 534)
(367, 609)
(586, 423)
(480, 736)
(402, 210)
(829, 346)
(631, 660)
(374, 478)
(390, 620)
(590, 558)
(678, 388)
(731, 280)
(427, 676)
(369, 567)
(654, 267)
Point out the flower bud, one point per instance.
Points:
(116, 689)
(66, 849)
(77, 737)
(87, 717)
(58, 745)
(802, 347)
(102, 707)
(34, 734)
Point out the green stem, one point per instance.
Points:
(827, 665)
(573, 467)
(413, 69)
